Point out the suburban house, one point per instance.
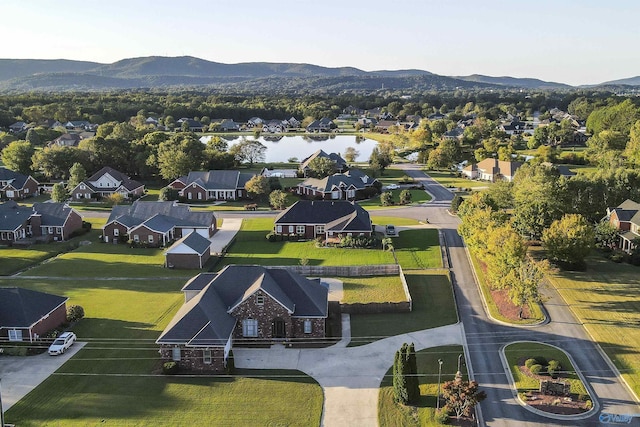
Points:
(626, 218)
(323, 125)
(191, 251)
(225, 125)
(454, 134)
(25, 314)
(341, 164)
(66, 140)
(43, 221)
(212, 185)
(18, 127)
(516, 127)
(349, 185)
(563, 170)
(242, 303)
(492, 170)
(323, 219)
(279, 173)
(16, 186)
(106, 182)
(194, 126)
(155, 224)
(78, 125)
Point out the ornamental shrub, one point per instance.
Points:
(75, 313)
(170, 368)
(530, 362)
(536, 369)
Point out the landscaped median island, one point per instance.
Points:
(546, 379)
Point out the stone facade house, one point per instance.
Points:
(27, 314)
(310, 219)
(106, 182)
(156, 224)
(212, 185)
(626, 218)
(16, 186)
(492, 170)
(350, 185)
(43, 221)
(242, 303)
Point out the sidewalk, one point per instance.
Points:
(225, 234)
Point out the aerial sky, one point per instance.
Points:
(572, 41)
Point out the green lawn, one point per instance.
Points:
(372, 289)
(391, 414)
(606, 299)
(114, 377)
(433, 306)
(536, 315)
(251, 247)
(383, 220)
(418, 249)
(417, 197)
(450, 179)
(526, 350)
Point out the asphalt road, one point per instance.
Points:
(486, 337)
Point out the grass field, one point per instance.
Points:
(372, 289)
(251, 247)
(417, 197)
(433, 306)
(391, 414)
(418, 249)
(383, 220)
(606, 299)
(527, 350)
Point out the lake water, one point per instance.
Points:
(280, 148)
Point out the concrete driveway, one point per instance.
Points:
(225, 234)
(21, 374)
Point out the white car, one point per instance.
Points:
(392, 187)
(63, 342)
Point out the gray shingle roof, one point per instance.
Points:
(23, 307)
(340, 162)
(217, 179)
(125, 181)
(324, 212)
(195, 241)
(53, 214)
(167, 212)
(12, 215)
(205, 319)
(17, 180)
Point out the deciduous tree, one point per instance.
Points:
(257, 186)
(462, 396)
(569, 240)
(278, 199)
(77, 174)
(59, 193)
(17, 156)
(321, 167)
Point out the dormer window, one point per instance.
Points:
(260, 299)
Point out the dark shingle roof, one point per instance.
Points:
(23, 307)
(17, 180)
(125, 181)
(53, 214)
(340, 162)
(205, 319)
(217, 179)
(195, 241)
(12, 215)
(352, 177)
(166, 212)
(324, 212)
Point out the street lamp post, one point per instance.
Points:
(439, 374)
(459, 373)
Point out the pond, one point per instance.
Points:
(281, 148)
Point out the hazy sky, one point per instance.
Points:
(571, 41)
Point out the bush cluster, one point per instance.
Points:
(75, 313)
(170, 368)
(359, 242)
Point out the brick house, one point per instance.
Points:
(242, 303)
(155, 224)
(626, 218)
(45, 221)
(106, 182)
(27, 314)
(350, 185)
(310, 219)
(16, 186)
(340, 163)
(191, 251)
(212, 185)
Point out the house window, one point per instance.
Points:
(26, 191)
(175, 354)
(260, 299)
(136, 238)
(206, 357)
(250, 328)
(83, 187)
(300, 229)
(319, 229)
(291, 229)
(279, 229)
(189, 196)
(116, 232)
(150, 238)
(50, 230)
(307, 327)
(15, 335)
(199, 196)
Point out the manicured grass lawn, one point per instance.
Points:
(114, 377)
(433, 306)
(418, 249)
(536, 312)
(391, 414)
(526, 350)
(252, 247)
(372, 289)
(108, 260)
(417, 197)
(383, 220)
(449, 179)
(606, 299)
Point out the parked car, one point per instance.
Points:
(63, 342)
(390, 230)
(393, 187)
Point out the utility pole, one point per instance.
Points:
(438, 396)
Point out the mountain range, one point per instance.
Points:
(21, 75)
